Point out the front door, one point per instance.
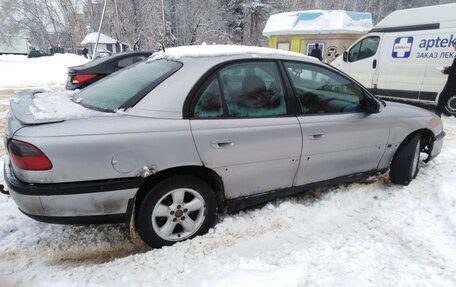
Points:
(242, 129)
(339, 138)
(362, 61)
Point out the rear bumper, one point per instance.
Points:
(73, 203)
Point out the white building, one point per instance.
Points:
(15, 45)
(104, 43)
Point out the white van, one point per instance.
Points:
(401, 57)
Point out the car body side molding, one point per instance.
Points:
(237, 204)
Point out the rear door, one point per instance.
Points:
(242, 128)
(339, 138)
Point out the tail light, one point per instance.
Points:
(77, 79)
(27, 156)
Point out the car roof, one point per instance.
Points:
(130, 53)
(226, 51)
(197, 62)
(100, 62)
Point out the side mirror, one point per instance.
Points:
(373, 106)
(345, 56)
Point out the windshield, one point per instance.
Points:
(125, 88)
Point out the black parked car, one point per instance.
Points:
(36, 54)
(81, 76)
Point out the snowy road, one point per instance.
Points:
(363, 234)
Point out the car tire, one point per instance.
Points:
(450, 106)
(176, 209)
(406, 161)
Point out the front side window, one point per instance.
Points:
(127, 86)
(364, 49)
(320, 90)
(247, 89)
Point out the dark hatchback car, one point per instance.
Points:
(81, 76)
(36, 54)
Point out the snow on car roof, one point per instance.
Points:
(197, 51)
(317, 22)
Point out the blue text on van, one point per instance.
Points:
(438, 42)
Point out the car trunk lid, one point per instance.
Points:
(39, 108)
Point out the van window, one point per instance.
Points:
(364, 49)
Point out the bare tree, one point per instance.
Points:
(50, 23)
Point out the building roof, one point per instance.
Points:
(91, 38)
(318, 22)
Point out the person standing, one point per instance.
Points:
(85, 51)
(450, 87)
(316, 52)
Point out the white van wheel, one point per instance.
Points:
(450, 106)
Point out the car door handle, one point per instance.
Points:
(374, 64)
(317, 136)
(223, 143)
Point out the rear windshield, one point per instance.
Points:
(95, 62)
(125, 88)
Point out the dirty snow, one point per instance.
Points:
(362, 234)
(45, 72)
(195, 51)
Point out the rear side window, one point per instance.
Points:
(126, 87)
(125, 62)
(209, 104)
(247, 89)
(138, 58)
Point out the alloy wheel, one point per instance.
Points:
(178, 214)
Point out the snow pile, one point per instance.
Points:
(196, 51)
(59, 105)
(21, 72)
(317, 21)
(362, 234)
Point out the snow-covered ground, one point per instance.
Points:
(44, 72)
(363, 234)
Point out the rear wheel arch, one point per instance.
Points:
(207, 175)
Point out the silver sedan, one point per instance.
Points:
(163, 144)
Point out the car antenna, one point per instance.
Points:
(163, 47)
